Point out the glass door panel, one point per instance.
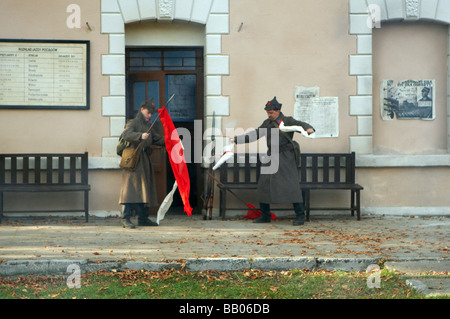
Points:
(183, 107)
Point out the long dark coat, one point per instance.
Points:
(138, 186)
(283, 185)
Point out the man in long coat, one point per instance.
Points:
(138, 191)
(283, 185)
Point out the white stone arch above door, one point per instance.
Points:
(214, 14)
(360, 64)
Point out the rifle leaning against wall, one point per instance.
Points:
(208, 198)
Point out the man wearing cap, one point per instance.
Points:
(138, 191)
(425, 92)
(283, 185)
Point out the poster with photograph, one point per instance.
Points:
(407, 99)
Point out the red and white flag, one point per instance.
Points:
(177, 162)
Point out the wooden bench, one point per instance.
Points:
(317, 171)
(44, 173)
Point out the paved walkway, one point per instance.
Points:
(184, 237)
(236, 242)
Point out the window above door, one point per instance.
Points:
(163, 60)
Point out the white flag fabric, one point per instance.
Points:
(227, 154)
(295, 128)
(165, 205)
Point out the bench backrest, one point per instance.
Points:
(328, 168)
(45, 169)
(241, 167)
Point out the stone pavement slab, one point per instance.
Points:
(328, 241)
(430, 287)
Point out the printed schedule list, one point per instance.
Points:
(42, 75)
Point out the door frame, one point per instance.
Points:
(160, 75)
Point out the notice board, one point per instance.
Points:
(44, 74)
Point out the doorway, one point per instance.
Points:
(159, 72)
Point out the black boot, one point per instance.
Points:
(299, 214)
(127, 214)
(143, 217)
(265, 214)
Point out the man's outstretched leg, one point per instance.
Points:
(265, 214)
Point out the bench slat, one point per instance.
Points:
(61, 169)
(326, 169)
(43, 188)
(337, 169)
(348, 170)
(330, 186)
(26, 170)
(239, 186)
(235, 170)
(303, 169)
(49, 169)
(247, 168)
(13, 170)
(2, 170)
(315, 170)
(72, 170)
(84, 170)
(37, 169)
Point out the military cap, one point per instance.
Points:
(273, 105)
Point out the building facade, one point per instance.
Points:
(382, 64)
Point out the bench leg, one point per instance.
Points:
(306, 201)
(86, 205)
(223, 202)
(358, 205)
(352, 202)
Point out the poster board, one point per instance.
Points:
(407, 99)
(44, 74)
(320, 112)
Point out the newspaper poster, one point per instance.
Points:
(321, 112)
(408, 99)
(303, 96)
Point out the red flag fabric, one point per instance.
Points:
(176, 158)
(253, 214)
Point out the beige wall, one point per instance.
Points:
(408, 187)
(281, 45)
(55, 131)
(284, 44)
(150, 33)
(410, 52)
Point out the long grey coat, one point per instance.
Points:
(282, 186)
(138, 186)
